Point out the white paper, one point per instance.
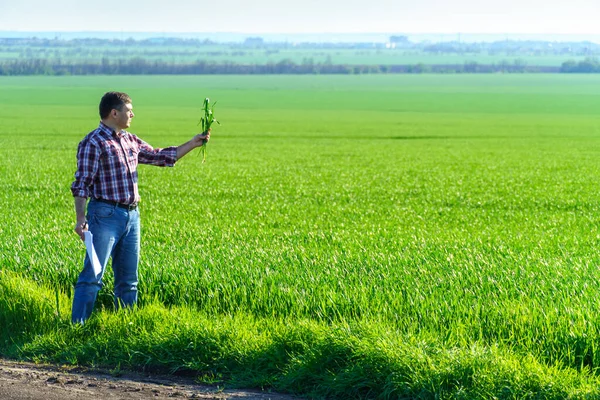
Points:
(89, 245)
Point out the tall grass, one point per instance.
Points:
(352, 237)
(342, 360)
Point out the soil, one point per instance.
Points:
(26, 381)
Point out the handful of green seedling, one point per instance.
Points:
(206, 121)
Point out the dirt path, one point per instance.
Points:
(25, 381)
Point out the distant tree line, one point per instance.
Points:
(514, 48)
(589, 65)
(140, 66)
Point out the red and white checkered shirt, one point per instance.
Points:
(107, 164)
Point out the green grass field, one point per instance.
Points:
(348, 237)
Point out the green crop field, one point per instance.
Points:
(368, 236)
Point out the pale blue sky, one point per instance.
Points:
(304, 16)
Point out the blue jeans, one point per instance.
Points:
(116, 233)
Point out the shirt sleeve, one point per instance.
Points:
(88, 156)
(166, 157)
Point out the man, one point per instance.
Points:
(107, 160)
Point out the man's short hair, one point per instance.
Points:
(113, 101)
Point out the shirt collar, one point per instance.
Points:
(108, 130)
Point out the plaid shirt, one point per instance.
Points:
(107, 164)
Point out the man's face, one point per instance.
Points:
(123, 117)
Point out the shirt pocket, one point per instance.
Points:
(132, 155)
(132, 158)
(113, 155)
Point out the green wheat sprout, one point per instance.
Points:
(206, 121)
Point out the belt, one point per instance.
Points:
(129, 207)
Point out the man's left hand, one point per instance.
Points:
(201, 138)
